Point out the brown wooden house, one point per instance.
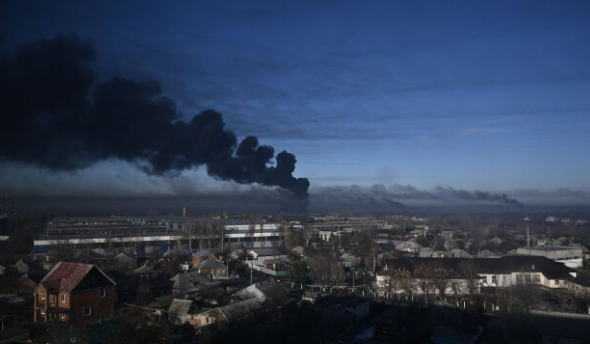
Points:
(74, 293)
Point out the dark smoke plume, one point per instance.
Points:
(381, 197)
(57, 115)
(477, 196)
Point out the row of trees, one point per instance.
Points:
(430, 281)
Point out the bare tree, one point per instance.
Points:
(468, 272)
(393, 282)
(573, 298)
(440, 280)
(326, 268)
(307, 233)
(407, 282)
(423, 276)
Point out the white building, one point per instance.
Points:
(476, 273)
(571, 256)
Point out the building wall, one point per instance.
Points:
(205, 319)
(74, 306)
(102, 308)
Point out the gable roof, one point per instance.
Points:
(123, 257)
(20, 262)
(240, 309)
(270, 290)
(177, 254)
(200, 253)
(144, 270)
(186, 281)
(180, 306)
(65, 276)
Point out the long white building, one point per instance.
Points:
(570, 256)
(146, 235)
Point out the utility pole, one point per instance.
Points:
(251, 268)
(528, 234)
(221, 232)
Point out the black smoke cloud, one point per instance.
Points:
(58, 114)
(382, 198)
(475, 196)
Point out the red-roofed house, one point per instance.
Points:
(74, 293)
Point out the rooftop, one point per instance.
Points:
(65, 276)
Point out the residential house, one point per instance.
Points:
(200, 256)
(26, 285)
(268, 290)
(74, 293)
(211, 267)
(187, 282)
(123, 262)
(349, 260)
(21, 267)
(145, 272)
(269, 261)
(176, 257)
(263, 254)
(180, 311)
(233, 312)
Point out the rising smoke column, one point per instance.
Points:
(56, 115)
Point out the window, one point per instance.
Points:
(42, 311)
(42, 296)
(87, 311)
(102, 292)
(62, 317)
(63, 298)
(494, 279)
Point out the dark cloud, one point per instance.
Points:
(58, 115)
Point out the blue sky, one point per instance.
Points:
(466, 94)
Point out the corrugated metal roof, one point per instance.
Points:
(180, 306)
(65, 276)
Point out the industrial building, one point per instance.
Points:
(147, 235)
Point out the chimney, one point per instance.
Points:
(183, 211)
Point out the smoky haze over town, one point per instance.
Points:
(297, 172)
